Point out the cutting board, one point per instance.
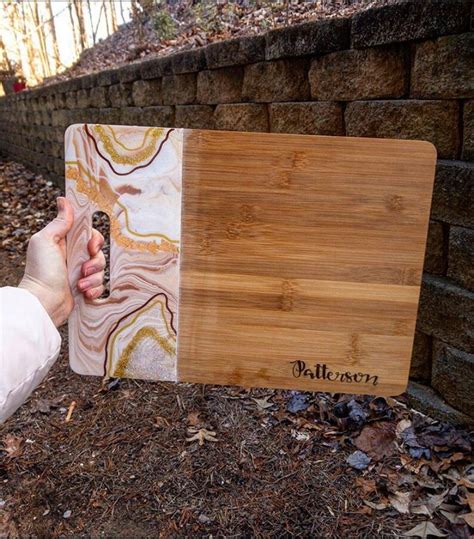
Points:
(254, 259)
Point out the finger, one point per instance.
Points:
(96, 242)
(93, 265)
(94, 293)
(92, 281)
(61, 225)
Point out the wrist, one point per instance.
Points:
(55, 310)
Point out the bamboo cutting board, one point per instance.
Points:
(254, 259)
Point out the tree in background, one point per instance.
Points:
(39, 36)
(34, 43)
(122, 11)
(21, 19)
(91, 22)
(54, 38)
(112, 16)
(83, 41)
(77, 46)
(5, 64)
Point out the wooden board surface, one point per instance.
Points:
(299, 264)
(301, 249)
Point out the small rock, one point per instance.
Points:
(41, 405)
(300, 436)
(203, 519)
(356, 412)
(67, 514)
(297, 403)
(358, 460)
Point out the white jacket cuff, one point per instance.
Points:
(29, 345)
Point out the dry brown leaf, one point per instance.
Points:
(421, 509)
(423, 530)
(193, 419)
(161, 422)
(377, 506)
(263, 404)
(446, 462)
(8, 528)
(400, 501)
(412, 464)
(366, 485)
(429, 505)
(364, 510)
(377, 440)
(453, 475)
(452, 517)
(303, 423)
(41, 405)
(470, 500)
(13, 445)
(394, 403)
(469, 518)
(201, 436)
(402, 425)
(465, 482)
(426, 482)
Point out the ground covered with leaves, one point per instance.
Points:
(158, 29)
(132, 459)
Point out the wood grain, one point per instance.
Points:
(301, 249)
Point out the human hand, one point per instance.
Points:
(46, 273)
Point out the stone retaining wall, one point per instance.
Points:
(401, 71)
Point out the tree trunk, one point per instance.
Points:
(114, 16)
(13, 21)
(121, 11)
(43, 53)
(93, 31)
(108, 22)
(12, 14)
(6, 64)
(99, 17)
(54, 38)
(82, 26)
(27, 43)
(74, 30)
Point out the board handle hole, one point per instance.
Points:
(101, 222)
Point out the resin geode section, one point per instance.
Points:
(132, 174)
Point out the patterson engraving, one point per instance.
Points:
(320, 371)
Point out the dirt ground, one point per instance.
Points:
(276, 465)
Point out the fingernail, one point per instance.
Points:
(84, 284)
(60, 203)
(90, 270)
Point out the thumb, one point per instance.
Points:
(61, 225)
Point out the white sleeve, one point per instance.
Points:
(29, 345)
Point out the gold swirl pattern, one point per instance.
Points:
(146, 332)
(142, 153)
(100, 193)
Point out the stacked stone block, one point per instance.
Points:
(399, 71)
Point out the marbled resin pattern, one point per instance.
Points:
(134, 175)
